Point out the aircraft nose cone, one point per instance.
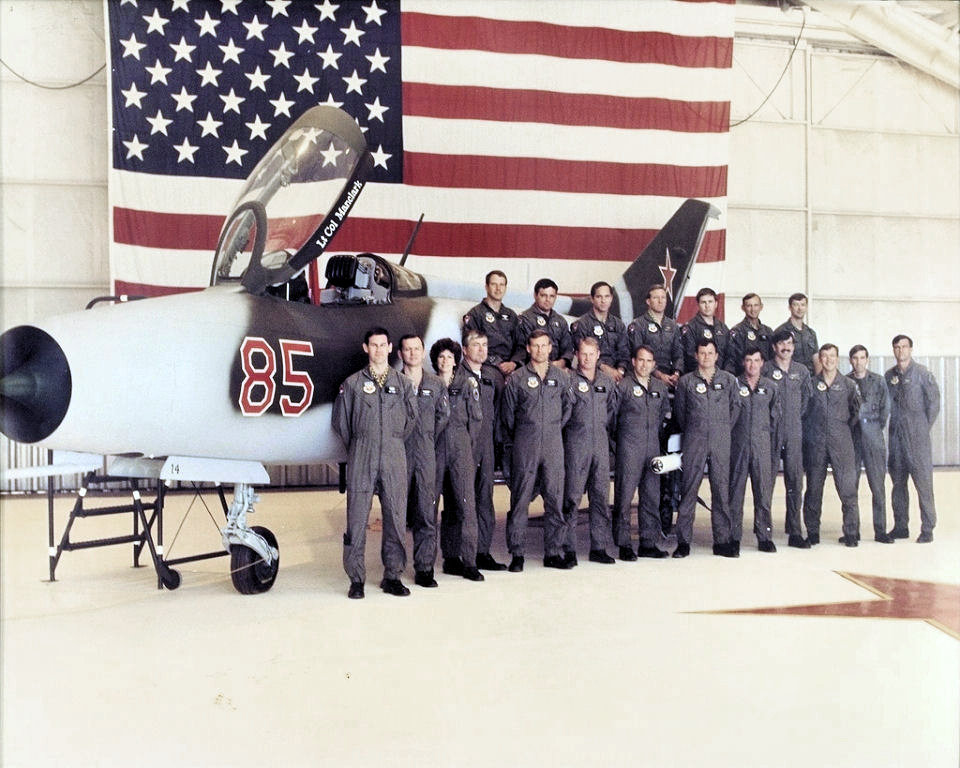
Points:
(35, 384)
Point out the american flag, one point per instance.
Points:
(533, 135)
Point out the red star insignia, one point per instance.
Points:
(668, 273)
(936, 604)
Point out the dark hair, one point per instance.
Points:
(657, 287)
(445, 345)
(376, 331)
(644, 347)
(544, 282)
(858, 348)
(493, 273)
(597, 285)
(706, 292)
(781, 335)
(537, 333)
(751, 295)
(753, 349)
(796, 297)
(408, 336)
(900, 337)
(827, 346)
(704, 342)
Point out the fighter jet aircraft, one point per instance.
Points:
(212, 385)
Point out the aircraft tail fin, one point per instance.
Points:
(666, 260)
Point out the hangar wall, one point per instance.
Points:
(844, 184)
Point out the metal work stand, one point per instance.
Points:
(147, 531)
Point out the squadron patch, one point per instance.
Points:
(533, 382)
(598, 330)
(541, 321)
(369, 387)
(489, 317)
(751, 335)
(821, 386)
(637, 390)
(707, 333)
(583, 386)
(777, 375)
(652, 327)
(895, 380)
(701, 387)
(744, 391)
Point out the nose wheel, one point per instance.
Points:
(249, 571)
(254, 554)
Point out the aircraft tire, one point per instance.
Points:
(250, 575)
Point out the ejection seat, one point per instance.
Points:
(356, 279)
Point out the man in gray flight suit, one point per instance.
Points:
(914, 406)
(805, 345)
(706, 406)
(642, 407)
(657, 331)
(586, 451)
(374, 413)
(869, 448)
(433, 411)
(476, 365)
(533, 412)
(608, 330)
(828, 438)
(497, 321)
(749, 332)
(752, 449)
(541, 316)
(793, 385)
(702, 326)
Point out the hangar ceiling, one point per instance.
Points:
(922, 33)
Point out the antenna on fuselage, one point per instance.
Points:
(413, 236)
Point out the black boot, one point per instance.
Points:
(424, 579)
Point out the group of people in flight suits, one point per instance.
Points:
(549, 403)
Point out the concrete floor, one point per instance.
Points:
(599, 665)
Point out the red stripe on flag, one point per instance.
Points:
(509, 241)
(166, 230)
(540, 38)
(461, 240)
(485, 172)
(532, 106)
(122, 287)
